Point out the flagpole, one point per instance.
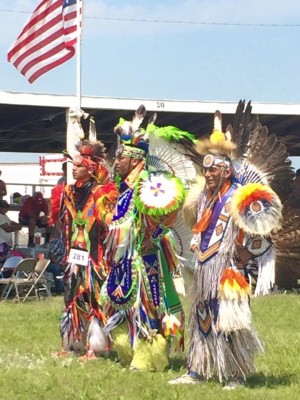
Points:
(78, 59)
(72, 135)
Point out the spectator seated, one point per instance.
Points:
(34, 213)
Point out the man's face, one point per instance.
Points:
(124, 165)
(38, 199)
(80, 172)
(3, 210)
(214, 175)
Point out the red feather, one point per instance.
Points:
(257, 195)
(56, 203)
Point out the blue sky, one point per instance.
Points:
(222, 54)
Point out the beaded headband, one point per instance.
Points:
(129, 151)
(210, 159)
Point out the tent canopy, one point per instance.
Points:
(36, 123)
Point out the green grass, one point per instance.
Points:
(29, 334)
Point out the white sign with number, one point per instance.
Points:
(79, 257)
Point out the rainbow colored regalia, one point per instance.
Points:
(85, 212)
(146, 311)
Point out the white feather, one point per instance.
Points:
(97, 339)
(181, 237)
(179, 286)
(234, 315)
(218, 121)
(92, 131)
(138, 119)
(169, 157)
(158, 191)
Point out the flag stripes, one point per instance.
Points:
(47, 40)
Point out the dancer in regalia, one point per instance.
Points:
(146, 312)
(85, 210)
(233, 211)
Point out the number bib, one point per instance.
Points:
(80, 257)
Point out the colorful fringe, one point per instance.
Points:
(234, 311)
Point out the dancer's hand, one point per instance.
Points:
(194, 248)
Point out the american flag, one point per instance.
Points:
(47, 40)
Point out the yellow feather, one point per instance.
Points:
(217, 137)
(151, 356)
(121, 344)
(247, 190)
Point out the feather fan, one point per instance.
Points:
(166, 154)
(182, 236)
(190, 205)
(287, 245)
(261, 151)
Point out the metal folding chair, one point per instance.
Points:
(21, 278)
(9, 266)
(39, 282)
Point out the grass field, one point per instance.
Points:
(29, 334)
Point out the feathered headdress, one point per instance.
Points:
(256, 155)
(167, 169)
(133, 141)
(218, 143)
(92, 152)
(92, 156)
(161, 147)
(258, 162)
(218, 148)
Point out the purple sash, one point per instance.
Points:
(207, 234)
